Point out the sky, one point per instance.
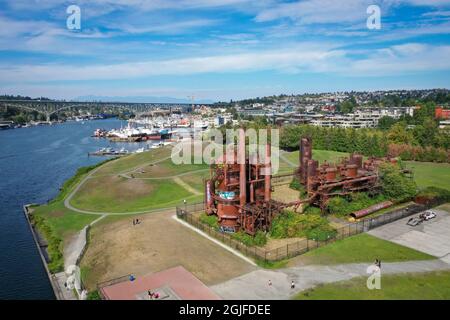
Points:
(221, 49)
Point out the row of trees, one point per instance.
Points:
(364, 141)
(418, 153)
(423, 144)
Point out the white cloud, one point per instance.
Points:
(401, 59)
(392, 60)
(317, 11)
(428, 3)
(167, 28)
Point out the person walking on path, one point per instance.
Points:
(292, 284)
(270, 283)
(378, 263)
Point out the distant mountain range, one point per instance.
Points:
(139, 99)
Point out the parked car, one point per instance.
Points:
(428, 215)
(414, 221)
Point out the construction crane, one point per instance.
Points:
(193, 105)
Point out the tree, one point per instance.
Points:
(386, 122)
(425, 133)
(399, 134)
(396, 186)
(426, 111)
(347, 106)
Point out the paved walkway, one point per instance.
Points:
(74, 249)
(254, 285)
(63, 293)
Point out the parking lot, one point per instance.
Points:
(432, 237)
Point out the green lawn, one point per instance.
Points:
(429, 174)
(419, 286)
(196, 180)
(360, 248)
(63, 221)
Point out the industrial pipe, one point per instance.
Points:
(242, 175)
(268, 169)
(371, 209)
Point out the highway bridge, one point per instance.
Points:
(50, 107)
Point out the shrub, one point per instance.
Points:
(396, 186)
(209, 220)
(56, 263)
(312, 210)
(358, 200)
(338, 206)
(434, 193)
(290, 224)
(94, 295)
(295, 184)
(322, 233)
(258, 240)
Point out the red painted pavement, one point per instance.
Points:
(181, 281)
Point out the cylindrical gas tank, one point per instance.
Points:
(228, 215)
(331, 174)
(352, 171)
(358, 160)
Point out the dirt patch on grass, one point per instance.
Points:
(153, 171)
(158, 243)
(281, 243)
(56, 214)
(137, 187)
(115, 187)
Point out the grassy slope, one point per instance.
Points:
(62, 221)
(102, 194)
(432, 285)
(360, 248)
(133, 161)
(103, 197)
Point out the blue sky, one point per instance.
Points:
(221, 49)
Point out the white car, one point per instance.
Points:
(428, 215)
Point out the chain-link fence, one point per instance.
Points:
(188, 213)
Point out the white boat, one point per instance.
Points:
(200, 125)
(140, 150)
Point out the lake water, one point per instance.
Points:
(34, 163)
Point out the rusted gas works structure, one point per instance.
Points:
(326, 180)
(239, 190)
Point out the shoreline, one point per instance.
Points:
(55, 279)
(51, 277)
